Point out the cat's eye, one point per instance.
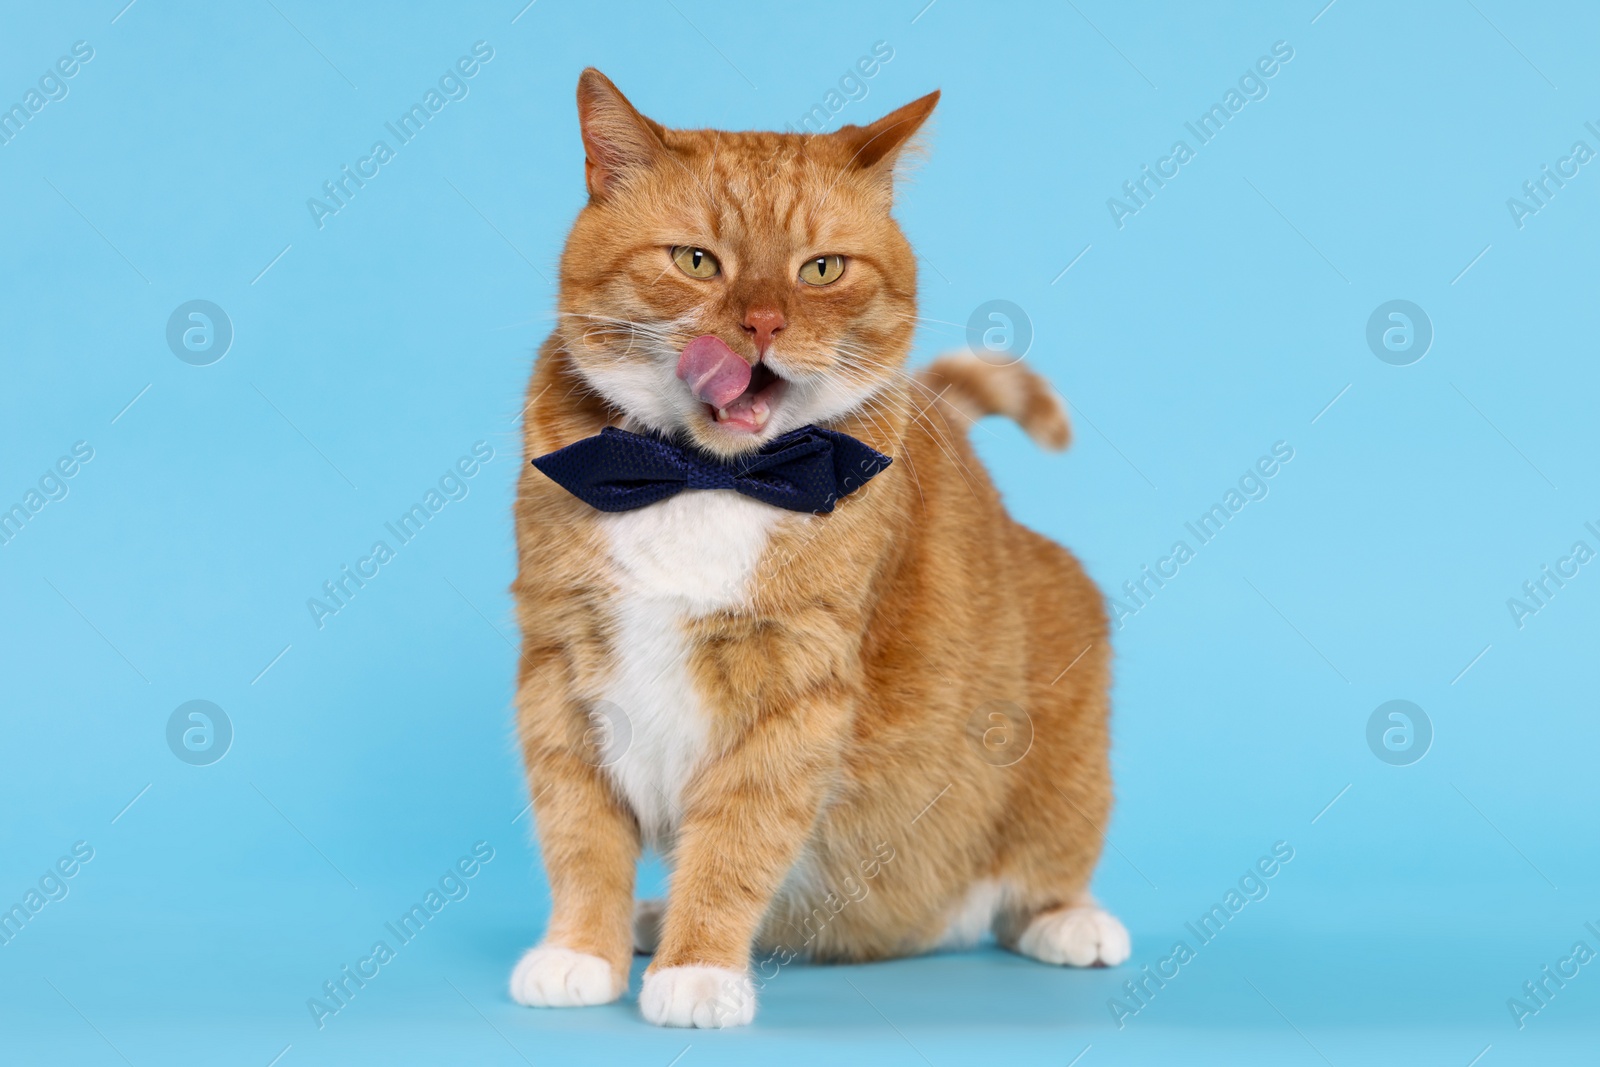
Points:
(696, 262)
(823, 270)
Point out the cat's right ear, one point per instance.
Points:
(880, 142)
(616, 138)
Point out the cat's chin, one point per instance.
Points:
(728, 437)
(745, 423)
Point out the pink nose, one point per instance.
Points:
(761, 323)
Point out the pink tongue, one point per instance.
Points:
(713, 371)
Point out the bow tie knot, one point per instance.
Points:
(709, 476)
(804, 470)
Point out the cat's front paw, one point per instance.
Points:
(553, 977)
(1082, 936)
(706, 997)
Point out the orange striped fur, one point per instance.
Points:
(812, 717)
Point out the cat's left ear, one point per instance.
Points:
(878, 144)
(616, 138)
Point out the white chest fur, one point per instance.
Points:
(681, 559)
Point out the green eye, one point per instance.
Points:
(824, 270)
(696, 262)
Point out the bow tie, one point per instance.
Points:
(803, 470)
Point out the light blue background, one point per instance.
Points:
(1224, 316)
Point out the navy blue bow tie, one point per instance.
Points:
(803, 470)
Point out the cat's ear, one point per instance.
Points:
(616, 138)
(879, 143)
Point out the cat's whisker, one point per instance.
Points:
(657, 341)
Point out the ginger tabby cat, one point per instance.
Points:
(816, 716)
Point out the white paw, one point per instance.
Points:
(647, 918)
(553, 977)
(707, 997)
(1084, 936)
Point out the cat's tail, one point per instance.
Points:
(976, 388)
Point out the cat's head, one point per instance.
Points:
(735, 286)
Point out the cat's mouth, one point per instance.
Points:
(749, 411)
(737, 396)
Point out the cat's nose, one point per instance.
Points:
(761, 323)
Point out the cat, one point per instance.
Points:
(861, 730)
